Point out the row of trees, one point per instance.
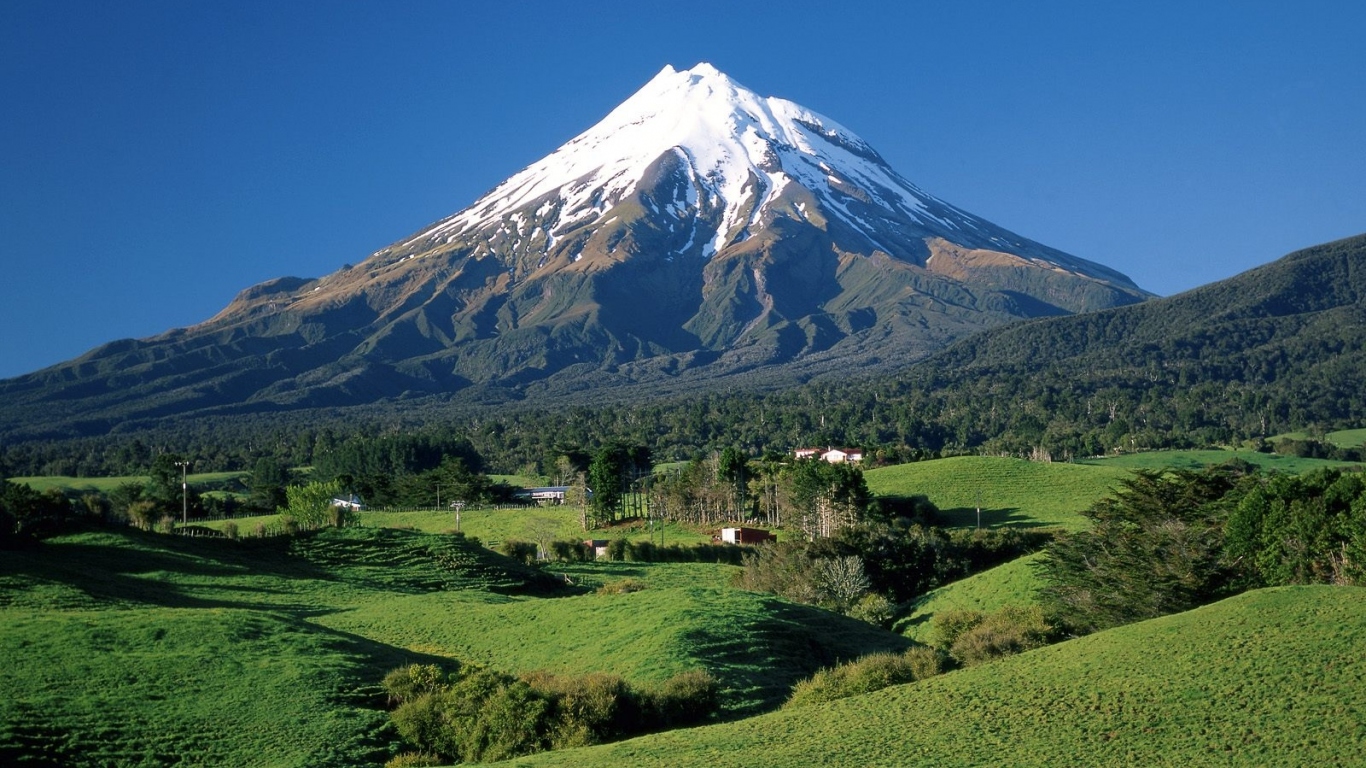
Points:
(811, 497)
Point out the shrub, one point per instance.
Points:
(948, 626)
(588, 710)
(339, 516)
(519, 550)
(512, 722)
(479, 715)
(142, 514)
(642, 551)
(868, 674)
(413, 760)
(622, 587)
(1006, 632)
(687, 698)
(926, 662)
(288, 525)
(407, 683)
(874, 609)
(569, 551)
(260, 530)
(617, 548)
(230, 530)
(166, 524)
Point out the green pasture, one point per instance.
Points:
(1012, 583)
(1272, 677)
(1011, 492)
(107, 484)
(1343, 438)
(520, 481)
(1199, 459)
(132, 648)
(493, 525)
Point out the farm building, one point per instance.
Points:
(746, 536)
(598, 546)
(549, 495)
(351, 502)
(832, 455)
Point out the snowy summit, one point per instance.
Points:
(747, 159)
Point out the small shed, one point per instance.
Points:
(746, 536)
(598, 546)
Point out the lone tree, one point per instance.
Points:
(311, 505)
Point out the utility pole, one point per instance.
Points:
(184, 492)
(438, 495)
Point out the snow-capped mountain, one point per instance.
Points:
(698, 230)
(715, 164)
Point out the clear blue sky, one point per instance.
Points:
(158, 157)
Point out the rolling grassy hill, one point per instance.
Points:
(1012, 583)
(107, 484)
(1198, 459)
(1271, 677)
(127, 648)
(1010, 491)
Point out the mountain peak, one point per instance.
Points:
(698, 227)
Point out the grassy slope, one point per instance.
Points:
(492, 525)
(1010, 491)
(107, 484)
(1199, 459)
(124, 648)
(1272, 677)
(1012, 583)
(1343, 438)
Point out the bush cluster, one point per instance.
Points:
(479, 715)
(868, 674)
(973, 637)
(621, 587)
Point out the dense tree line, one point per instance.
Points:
(1279, 349)
(1172, 541)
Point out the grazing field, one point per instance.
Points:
(493, 525)
(1343, 438)
(131, 648)
(1272, 677)
(1291, 465)
(1011, 492)
(1012, 583)
(107, 484)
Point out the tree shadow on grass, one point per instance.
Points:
(131, 567)
(758, 663)
(1001, 517)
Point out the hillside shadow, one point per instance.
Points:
(759, 664)
(1001, 517)
(118, 574)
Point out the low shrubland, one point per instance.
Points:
(897, 562)
(478, 715)
(868, 674)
